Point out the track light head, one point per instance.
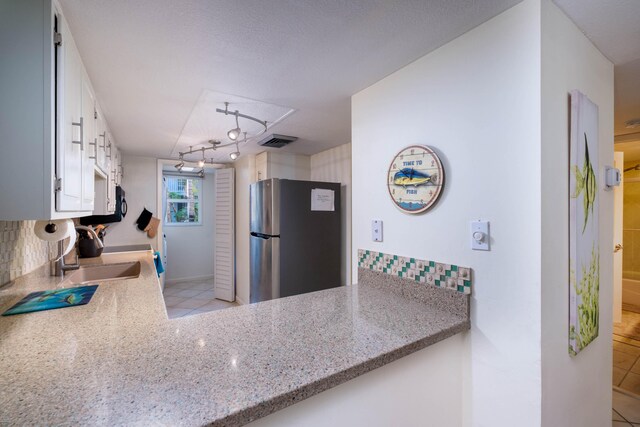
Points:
(234, 134)
(202, 161)
(236, 153)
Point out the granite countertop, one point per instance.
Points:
(120, 360)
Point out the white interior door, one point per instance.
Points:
(224, 274)
(618, 208)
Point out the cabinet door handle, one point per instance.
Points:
(81, 142)
(103, 135)
(109, 155)
(95, 148)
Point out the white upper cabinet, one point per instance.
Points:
(50, 119)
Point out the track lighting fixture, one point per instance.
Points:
(234, 155)
(180, 164)
(202, 161)
(233, 134)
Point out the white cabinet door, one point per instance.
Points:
(89, 145)
(261, 166)
(111, 167)
(101, 135)
(116, 166)
(70, 122)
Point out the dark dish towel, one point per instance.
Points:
(158, 262)
(144, 219)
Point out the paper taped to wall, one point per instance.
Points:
(322, 200)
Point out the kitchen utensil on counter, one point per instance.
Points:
(88, 247)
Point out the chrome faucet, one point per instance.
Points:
(58, 266)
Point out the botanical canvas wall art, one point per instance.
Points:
(584, 248)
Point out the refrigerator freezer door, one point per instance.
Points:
(264, 275)
(264, 207)
(309, 240)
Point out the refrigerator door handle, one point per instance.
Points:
(262, 235)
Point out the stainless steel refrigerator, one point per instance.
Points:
(295, 238)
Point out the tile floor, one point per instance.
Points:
(630, 325)
(626, 410)
(626, 352)
(626, 365)
(189, 298)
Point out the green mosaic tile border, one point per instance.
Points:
(447, 276)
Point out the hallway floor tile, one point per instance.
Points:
(194, 297)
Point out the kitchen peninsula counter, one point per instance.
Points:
(120, 360)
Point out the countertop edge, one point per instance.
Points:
(282, 401)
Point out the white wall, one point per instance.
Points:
(388, 396)
(576, 391)
(289, 166)
(245, 175)
(476, 100)
(334, 165)
(190, 249)
(140, 185)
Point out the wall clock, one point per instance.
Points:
(415, 179)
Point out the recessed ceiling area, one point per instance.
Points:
(205, 123)
(150, 60)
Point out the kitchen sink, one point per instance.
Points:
(105, 272)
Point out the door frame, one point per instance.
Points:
(160, 163)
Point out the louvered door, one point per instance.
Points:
(224, 254)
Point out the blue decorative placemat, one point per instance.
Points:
(50, 300)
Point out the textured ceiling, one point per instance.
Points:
(614, 28)
(150, 60)
(612, 25)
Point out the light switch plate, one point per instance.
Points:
(376, 230)
(480, 236)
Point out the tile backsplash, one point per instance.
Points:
(439, 274)
(20, 250)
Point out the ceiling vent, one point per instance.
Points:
(277, 141)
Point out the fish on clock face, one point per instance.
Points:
(409, 176)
